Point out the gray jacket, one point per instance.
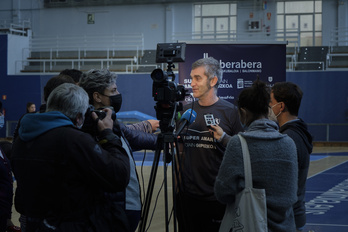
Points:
(274, 168)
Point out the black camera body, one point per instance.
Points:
(100, 112)
(165, 90)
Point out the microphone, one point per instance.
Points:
(187, 118)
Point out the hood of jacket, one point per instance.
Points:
(263, 129)
(300, 127)
(33, 125)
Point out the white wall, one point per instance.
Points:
(329, 20)
(16, 50)
(157, 22)
(247, 8)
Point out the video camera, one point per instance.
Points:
(165, 91)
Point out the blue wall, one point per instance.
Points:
(325, 100)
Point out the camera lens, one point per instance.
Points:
(158, 75)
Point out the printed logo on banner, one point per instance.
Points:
(241, 66)
(187, 83)
(228, 97)
(240, 84)
(225, 85)
(188, 99)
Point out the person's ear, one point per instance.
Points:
(282, 107)
(96, 97)
(213, 81)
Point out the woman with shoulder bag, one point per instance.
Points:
(272, 158)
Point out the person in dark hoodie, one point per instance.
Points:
(62, 172)
(285, 103)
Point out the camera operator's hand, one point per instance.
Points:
(154, 124)
(105, 123)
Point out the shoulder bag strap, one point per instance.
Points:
(247, 165)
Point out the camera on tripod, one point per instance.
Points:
(167, 93)
(165, 90)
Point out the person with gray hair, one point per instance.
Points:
(102, 91)
(201, 156)
(71, 101)
(62, 172)
(212, 69)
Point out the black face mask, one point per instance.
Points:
(116, 102)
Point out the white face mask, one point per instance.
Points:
(271, 114)
(81, 125)
(2, 121)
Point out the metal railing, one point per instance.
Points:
(18, 28)
(293, 60)
(292, 37)
(329, 57)
(86, 43)
(48, 64)
(76, 50)
(327, 128)
(320, 63)
(338, 37)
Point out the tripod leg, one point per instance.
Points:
(146, 207)
(174, 185)
(165, 154)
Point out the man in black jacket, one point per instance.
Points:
(285, 103)
(102, 91)
(62, 173)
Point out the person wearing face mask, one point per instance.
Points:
(149, 126)
(285, 103)
(62, 172)
(102, 91)
(272, 158)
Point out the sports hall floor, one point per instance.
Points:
(326, 195)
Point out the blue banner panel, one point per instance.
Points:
(241, 63)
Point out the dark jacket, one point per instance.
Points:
(62, 172)
(297, 130)
(138, 140)
(6, 189)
